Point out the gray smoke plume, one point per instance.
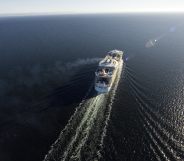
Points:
(27, 83)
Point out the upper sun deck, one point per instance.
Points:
(108, 61)
(115, 52)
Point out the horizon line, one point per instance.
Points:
(83, 13)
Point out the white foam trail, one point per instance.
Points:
(69, 122)
(109, 110)
(90, 114)
(84, 131)
(89, 108)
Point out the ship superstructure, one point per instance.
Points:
(107, 70)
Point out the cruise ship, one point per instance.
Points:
(107, 71)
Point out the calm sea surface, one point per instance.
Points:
(47, 66)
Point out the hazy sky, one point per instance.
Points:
(88, 6)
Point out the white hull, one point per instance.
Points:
(101, 89)
(104, 88)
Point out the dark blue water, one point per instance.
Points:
(47, 66)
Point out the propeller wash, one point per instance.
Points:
(83, 136)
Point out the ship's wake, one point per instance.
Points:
(165, 143)
(82, 138)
